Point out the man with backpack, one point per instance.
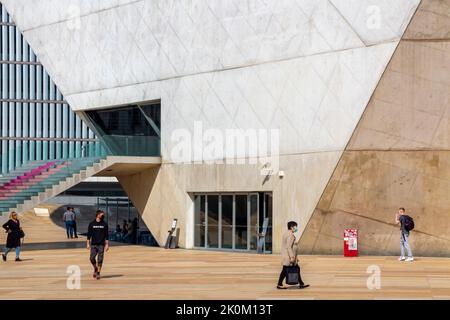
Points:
(406, 225)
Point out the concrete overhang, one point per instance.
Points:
(126, 165)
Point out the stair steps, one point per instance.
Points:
(33, 183)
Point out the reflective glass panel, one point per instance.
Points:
(213, 221)
(241, 222)
(132, 130)
(227, 221)
(199, 221)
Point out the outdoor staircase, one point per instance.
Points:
(38, 181)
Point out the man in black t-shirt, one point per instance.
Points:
(97, 241)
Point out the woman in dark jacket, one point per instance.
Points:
(15, 232)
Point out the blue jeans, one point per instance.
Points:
(404, 244)
(69, 229)
(17, 251)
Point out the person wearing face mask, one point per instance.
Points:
(289, 255)
(97, 242)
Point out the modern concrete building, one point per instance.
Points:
(350, 95)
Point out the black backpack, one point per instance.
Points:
(408, 222)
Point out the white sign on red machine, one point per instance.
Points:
(351, 242)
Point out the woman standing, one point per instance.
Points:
(15, 233)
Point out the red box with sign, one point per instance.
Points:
(350, 243)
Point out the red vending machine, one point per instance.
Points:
(350, 243)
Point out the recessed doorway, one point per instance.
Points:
(232, 221)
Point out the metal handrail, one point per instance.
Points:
(50, 139)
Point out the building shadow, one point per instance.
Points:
(109, 276)
(62, 245)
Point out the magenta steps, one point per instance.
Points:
(20, 181)
(28, 179)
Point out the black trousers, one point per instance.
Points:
(75, 228)
(283, 275)
(97, 251)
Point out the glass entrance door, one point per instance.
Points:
(200, 220)
(212, 221)
(230, 221)
(227, 221)
(253, 206)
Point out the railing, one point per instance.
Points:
(36, 180)
(139, 146)
(16, 152)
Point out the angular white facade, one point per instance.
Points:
(307, 68)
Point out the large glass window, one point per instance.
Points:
(227, 221)
(131, 130)
(241, 222)
(232, 221)
(268, 215)
(253, 225)
(213, 221)
(200, 221)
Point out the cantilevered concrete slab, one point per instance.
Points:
(123, 165)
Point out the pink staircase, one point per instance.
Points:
(24, 181)
(28, 185)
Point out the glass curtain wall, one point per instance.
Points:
(231, 221)
(132, 130)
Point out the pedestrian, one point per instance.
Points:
(405, 222)
(97, 242)
(75, 233)
(69, 218)
(124, 228)
(130, 231)
(15, 234)
(289, 255)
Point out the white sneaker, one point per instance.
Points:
(401, 259)
(410, 259)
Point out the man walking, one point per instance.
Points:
(69, 218)
(402, 219)
(97, 242)
(75, 233)
(289, 255)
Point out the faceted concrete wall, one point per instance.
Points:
(163, 194)
(399, 154)
(305, 67)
